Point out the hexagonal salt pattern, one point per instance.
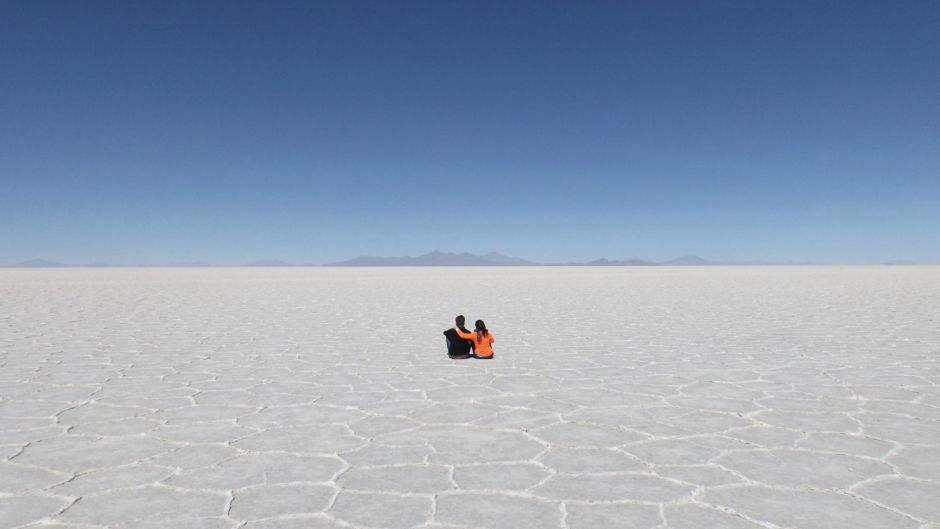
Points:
(640, 398)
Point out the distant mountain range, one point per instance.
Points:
(446, 259)
(498, 259)
(437, 259)
(38, 263)
(689, 260)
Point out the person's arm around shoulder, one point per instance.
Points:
(464, 335)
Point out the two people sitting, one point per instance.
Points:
(462, 343)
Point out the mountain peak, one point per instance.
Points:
(688, 260)
(39, 263)
(436, 258)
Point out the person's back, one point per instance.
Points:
(482, 339)
(458, 347)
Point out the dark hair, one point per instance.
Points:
(460, 320)
(481, 330)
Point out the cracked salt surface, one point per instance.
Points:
(645, 398)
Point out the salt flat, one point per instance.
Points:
(681, 398)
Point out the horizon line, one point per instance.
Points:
(491, 259)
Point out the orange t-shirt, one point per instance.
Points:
(480, 347)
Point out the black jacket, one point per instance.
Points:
(457, 346)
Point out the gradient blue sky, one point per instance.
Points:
(153, 132)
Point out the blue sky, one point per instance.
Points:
(154, 132)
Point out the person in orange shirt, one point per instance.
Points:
(482, 339)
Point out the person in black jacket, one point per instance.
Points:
(457, 347)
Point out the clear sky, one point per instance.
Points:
(154, 132)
